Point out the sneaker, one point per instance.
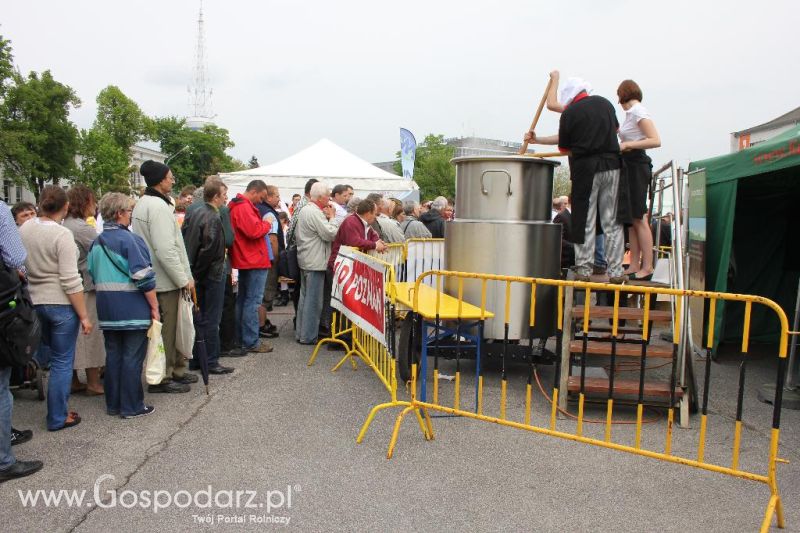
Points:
(168, 387)
(267, 334)
(263, 347)
(20, 469)
(20, 437)
(236, 352)
(186, 379)
(144, 412)
(219, 369)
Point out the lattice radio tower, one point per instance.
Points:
(200, 93)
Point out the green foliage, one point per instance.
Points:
(121, 118)
(194, 154)
(6, 65)
(38, 141)
(433, 172)
(105, 166)
(562, 186)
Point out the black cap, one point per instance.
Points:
(153, 172)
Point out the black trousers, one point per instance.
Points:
(227, 327)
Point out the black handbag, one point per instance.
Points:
(20, 329)
(288, 266)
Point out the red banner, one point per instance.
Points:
(358, 292)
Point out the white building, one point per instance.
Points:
(12, 193)
(757, 134)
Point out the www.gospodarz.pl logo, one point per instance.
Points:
(266, 502)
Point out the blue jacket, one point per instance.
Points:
(119, 263)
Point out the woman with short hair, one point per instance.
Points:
(637, 133)
(56, 289)
(119, 263)
(90, 354)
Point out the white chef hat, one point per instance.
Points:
(572, 88)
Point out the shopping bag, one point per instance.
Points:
(184, 334)
(155, 362)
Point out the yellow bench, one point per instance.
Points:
(448, 306)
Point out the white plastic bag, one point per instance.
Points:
(184, 332)
(155, 362)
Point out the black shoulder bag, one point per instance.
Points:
(20, 329)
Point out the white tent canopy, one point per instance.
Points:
(329, 163)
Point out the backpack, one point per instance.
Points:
(20, 329)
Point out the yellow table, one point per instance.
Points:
(448, 306)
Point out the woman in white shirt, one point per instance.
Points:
(638, 133)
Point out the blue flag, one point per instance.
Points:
(408, 151)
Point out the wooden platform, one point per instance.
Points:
(624, 349)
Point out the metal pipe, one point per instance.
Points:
(677, 257)
(791, 374)
(665, 167)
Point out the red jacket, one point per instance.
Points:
(351, 233)
(249, 250)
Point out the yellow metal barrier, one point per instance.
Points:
(358, 343)
(421, 408)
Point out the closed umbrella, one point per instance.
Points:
(199, 351)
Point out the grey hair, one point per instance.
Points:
(352, 205)
(409, 206)
(439, 204)
(375, 197)
(112, 203)
(319, 191)
(198, 194)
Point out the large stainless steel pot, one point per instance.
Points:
(513, 249)
(504, 188)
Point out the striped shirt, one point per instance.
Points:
(11, 248)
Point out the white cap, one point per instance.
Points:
(572, 88)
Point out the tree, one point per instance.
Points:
(6, 65)
(433, 172)
(105, 166)
(253, 163)
(562, 185)
(121, 118)
(194, 154)
(106, 148)
(39, 141)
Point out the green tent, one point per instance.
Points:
(753, 232)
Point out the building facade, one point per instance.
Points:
(13, 193)
(758, 134)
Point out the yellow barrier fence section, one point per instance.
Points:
(359, 344)
(575, 432)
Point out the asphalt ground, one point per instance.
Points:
(278, 429)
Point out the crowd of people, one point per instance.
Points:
(99, 272)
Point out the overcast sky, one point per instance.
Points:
(287, 73)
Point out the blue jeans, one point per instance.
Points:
(60, 325)
(600, 251)
(210, 296)
(125, 352)
(6, 406)
(251, 292)
(310, 305)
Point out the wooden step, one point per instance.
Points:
(625, 313)
(622, 387)
(624, 349)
